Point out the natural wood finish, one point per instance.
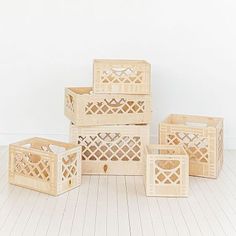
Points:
(201, 136)
(167, 171)
(44, 165)
(121, 76)
(112, 150)
(84, 108)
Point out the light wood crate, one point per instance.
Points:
(85, 108)
(202, 138)
(121, 76)
(112, 150)
(167, 171)
(44, 165)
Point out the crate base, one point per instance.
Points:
(113, 168)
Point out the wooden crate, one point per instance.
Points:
(121, 76)
(85, 108)
(44, 165)
(112, 150)
(201, 136)
(167, 171)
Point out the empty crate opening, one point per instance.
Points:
(110, 147)
(196, 145)
(193, 121)
(32, 165)
(114, 106)
(52, 148)
(156, 150)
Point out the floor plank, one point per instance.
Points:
(117, 205)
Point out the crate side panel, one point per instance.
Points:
(70, 105)
(31, 170)
(125, 77)
(200, 144)
(69, 170)
(105, 109)
(112, 150)
(170, 176)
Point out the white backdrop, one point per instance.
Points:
(46, 45)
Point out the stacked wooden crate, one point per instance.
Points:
(111, 120)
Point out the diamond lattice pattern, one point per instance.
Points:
(167, 172)
(122, 75)
(32, 165)
(115, 106)
(196, 146)
(69, 167)
(110, 147)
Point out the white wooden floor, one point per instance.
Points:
(118, 206)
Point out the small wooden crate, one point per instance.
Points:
(121, 76)
(167, 171)
(44, 165)
(202, 138)
(112, 150)
(84, 108)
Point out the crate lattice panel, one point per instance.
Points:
(84, 108)
(117, 150)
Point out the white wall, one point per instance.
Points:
(46, 45)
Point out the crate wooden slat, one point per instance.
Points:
(44, 165)
(201, 136)
(121, 76)
(167, 171)
(112, 150)
(85, 108)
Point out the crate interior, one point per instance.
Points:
(165, 150)
(45, 145)
(193, 121)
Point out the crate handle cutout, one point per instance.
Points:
(196, 124)
(27, 145)
(33, 158)
(69, 159)
(118, 71)
(168, 164)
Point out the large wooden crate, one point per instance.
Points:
(121, 76)
(84, 108)
(112, 150)
(44, 165)
(201, 136)
(167, 171)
